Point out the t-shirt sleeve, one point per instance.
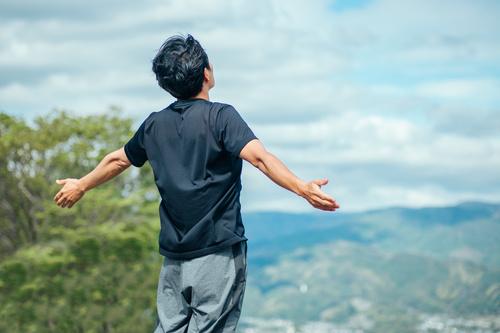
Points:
(134, 148)
(234, 132)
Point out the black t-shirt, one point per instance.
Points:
(193, 148)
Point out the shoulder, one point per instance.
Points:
(220, 105)
(220, 112)
(223, 110)
(148, 121)
(151, 118)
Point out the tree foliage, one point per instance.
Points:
(97, 279)
(60, 145)
(90, 268)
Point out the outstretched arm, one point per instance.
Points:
(73, 190)
(255, 153)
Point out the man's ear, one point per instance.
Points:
(206, 75)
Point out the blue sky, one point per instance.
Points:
(395, 102)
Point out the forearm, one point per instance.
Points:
(277, 171)
(108, 168)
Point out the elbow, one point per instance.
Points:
(255, 154)
(260, 161)
(122, 165)
(117, 160)
(256, 163)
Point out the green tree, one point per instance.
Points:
(55, 146)
(101, 278)
(91, 268)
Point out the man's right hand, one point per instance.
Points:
(311, 191)
(255, 153)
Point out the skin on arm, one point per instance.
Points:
(255, 153)
(73, 190)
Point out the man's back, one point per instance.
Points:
(193, 147)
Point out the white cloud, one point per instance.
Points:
(396, 101)
(461, 89)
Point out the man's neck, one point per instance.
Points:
(203, 94)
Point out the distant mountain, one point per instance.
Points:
(386, 270)
(464, 212)
(363, 288)
(268, 225)
(470, 230)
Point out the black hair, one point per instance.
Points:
(179, 66)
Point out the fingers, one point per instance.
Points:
(320, 182)
(323, 204)
(58, 195)
(323, 196)
(318, 198)
(64, 202)
(322, 201)
(60, 199)
(327, 205)
(319, 193)
(67, 203)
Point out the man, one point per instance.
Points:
(195, 148)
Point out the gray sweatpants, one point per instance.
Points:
(204, 294)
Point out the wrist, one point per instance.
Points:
(300, 187)
(82, 185)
